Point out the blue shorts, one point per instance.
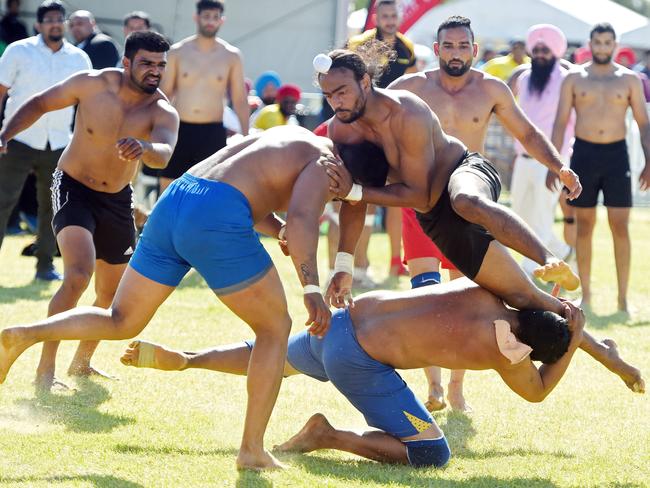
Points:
(374, 388)
(206, 225)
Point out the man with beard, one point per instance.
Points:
(283, 112)
(122, 118)
(453, 191)
(27, 67)
(464, 99)
(538, 90)
(208, 219)
(601, 94)
(203, 70)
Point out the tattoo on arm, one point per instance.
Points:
(304, 269)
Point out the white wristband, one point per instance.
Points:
(344, 262)
(311, 289)
(356, 193)
(283, 231)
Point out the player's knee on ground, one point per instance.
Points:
(424, 453)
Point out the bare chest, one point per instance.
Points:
(195, 70)
(594, 92)
(104, 119)
(461, 114)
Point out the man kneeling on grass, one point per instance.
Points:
(387, 330)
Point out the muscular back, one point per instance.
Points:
(431, 325)
(601, 102)
(196, 79)
(265, 166)
(104, 117)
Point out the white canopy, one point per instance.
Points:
(503, 20)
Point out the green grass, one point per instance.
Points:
(182, 429)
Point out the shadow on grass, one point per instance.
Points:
(248, 479)
(179, 451)
(624, 318)
(34, 291)
(78, 411)
(369, 471)
(97, 480)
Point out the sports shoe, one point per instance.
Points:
(49, 274)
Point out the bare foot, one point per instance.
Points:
(558, 272)
(456, 398)
(630, 375)
(47, 383)
(258, 462)
(12, 345)
(159, 357)
(622, 305)
(87, 371)
(310, 437)
(436, 399)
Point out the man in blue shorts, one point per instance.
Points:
(207, 219)
(408, 330)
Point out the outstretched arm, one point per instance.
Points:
(534, 384)
(533, 139)
(61, 95)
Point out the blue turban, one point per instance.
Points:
(264, 79)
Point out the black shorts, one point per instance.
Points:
(462, 242)
(107, 216)
(195, 143)
(603, 167)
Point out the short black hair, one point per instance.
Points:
(138, 14)
(453, 22)
(381, 3)
(546, 332)
(601, 29)
(146, 40)
(366, 162)
(49, 6)
(202, 5)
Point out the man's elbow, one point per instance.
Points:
(535, 396)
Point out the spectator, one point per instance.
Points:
(601, 95)
(503, 66)
(283, 111)
(136, 21)
(488, 54)
(26, 68)
(11, 29)
(388, 21)
(202, 71)
(266, 88)
(538, 89)
(100, 48)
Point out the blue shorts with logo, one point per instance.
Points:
(374, 388)
(206, 225)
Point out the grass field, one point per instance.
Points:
(159, 429)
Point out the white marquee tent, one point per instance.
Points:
(503, 20)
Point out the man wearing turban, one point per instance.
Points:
(283, 111)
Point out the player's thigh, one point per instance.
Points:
(262, 305)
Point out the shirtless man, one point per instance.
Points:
(205, 220)
(453, 191)
(601, 93)
(464, 99)
(407, 330)
(122, 118)
(203, 71)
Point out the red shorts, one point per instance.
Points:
(417, 244)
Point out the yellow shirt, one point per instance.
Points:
(270, 116)
(502, 66)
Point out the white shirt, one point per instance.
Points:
(28, 67)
